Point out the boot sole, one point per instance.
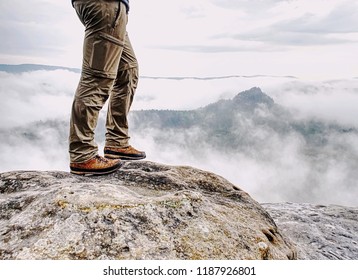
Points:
(95, 172)
(111, 156)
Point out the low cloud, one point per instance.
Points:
(35, 96)
(272, 165)
(330, 101)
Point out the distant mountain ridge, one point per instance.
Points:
(220, 118)
(215, 77)
(21, 68)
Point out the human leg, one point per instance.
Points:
(105, 23)
(117, 135)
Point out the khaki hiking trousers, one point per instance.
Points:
(109, 70)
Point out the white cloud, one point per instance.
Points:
(304, 24)
(276, 171)
(333, 101)
(35, 116)
(177, 94)
(205, 37)
(35, 96)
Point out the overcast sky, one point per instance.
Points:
(304, 38)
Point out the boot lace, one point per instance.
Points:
(101, 159)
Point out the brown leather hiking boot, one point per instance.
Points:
(96, 166)
(128, 153)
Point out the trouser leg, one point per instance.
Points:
(85, 109)
(105, 23)
(121, 98)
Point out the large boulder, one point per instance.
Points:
(143, 211)
(320, 232)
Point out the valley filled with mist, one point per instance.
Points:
(278, 138)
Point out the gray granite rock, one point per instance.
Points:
(143, 211)
(319, 232)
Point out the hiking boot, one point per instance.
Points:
(128, 153)
(96, 166)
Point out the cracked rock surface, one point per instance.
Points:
(143, 211)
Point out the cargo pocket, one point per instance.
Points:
(105, 54)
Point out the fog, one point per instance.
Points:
(273, 167)
(35, 96)
(334, 101)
